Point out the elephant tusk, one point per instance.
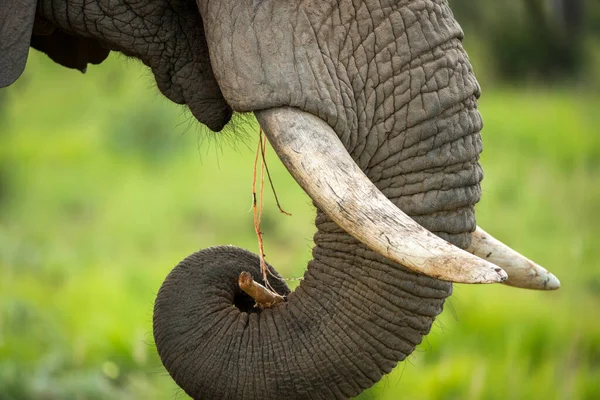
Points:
(522, 272)
(319, 162)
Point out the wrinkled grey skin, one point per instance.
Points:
(166, 35)
(394, 82)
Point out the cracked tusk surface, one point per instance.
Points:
(522, 272)
(318, 161)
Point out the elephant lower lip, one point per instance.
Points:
(215, 118)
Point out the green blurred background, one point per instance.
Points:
(105, 186)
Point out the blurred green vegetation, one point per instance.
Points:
(532, 40)
(105, 186)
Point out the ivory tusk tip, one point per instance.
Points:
(499, 275)
(537, 279)
(553, 283)
(502, 274)
(522, 272)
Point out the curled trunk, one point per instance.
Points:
(348, 323)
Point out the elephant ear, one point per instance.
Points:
(69, 50)
(16, 26)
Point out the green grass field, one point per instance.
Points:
(105, 186)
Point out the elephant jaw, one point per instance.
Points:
(319, 162)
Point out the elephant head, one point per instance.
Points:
(372, 107)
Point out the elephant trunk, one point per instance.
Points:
(353, 317)
(356, 313)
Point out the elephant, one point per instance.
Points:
(372, 107)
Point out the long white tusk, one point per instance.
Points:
(318, 161)
(522, 272)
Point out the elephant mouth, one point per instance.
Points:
(318, 161)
